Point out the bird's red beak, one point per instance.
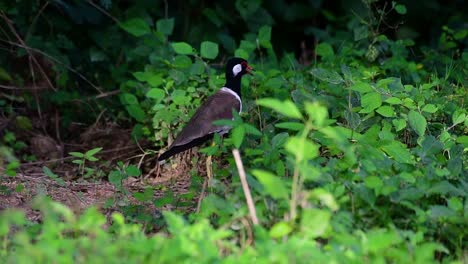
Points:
(249, 69)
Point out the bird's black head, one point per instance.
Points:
(236, 68)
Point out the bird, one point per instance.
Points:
(220, 105)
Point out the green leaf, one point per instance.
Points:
(132, 171)
(182, 48)
(400, 9)
(408, 177)
(115, 177)
(354, 119)
(417, 122)
(198, 67)
(273, 184)
(24, 122)
(399, 152)
(4, 75)
(144, 196)
(53, 176)
(237, 136)
(175, 222)
(303, 149)
(441, 212)
(381, 239)
(140, 76)
(241, 53)
(275, 83)
(318, 113)
(165, 26)
(362, 87)
(455, 204)
(136, 112)
(251, 130)
(77, 154)
(373, 182)
(286, 108)
(136, 26)
(315, 222)
(386, 111)
(91, 158)
(295, 126)
(209, 49)
(156, 93)
(392, 84)
(280, 229)
(393, 101)
(179, 97)
(182, 61)
(370, 102)
(325, 50)
(96, 55)
(92, 152)
(458, 117)
(429, 108)
(399, 124)
(264, 36)
(463, 140)
(327, 76)
(155, 80)
(360, 32)
(168, 198)
(247, 8)
(128, 99)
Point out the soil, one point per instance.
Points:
(78, 192)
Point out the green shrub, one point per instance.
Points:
(359, 157)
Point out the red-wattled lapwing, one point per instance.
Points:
(220, 105)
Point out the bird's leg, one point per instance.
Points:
(209, 175)
(209, 170)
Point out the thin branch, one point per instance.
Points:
(20, 40)
(202, 195)
(106, 94)
(245, 186)
(9, 87)
(57, 61)
(36, 17)
(166, 9)
(103, 11)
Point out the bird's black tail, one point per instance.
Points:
(172, 151)
(177, 149)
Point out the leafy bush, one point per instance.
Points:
(359, 157)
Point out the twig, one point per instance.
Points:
(209, 175)
(9, 87)
(27, 48)
(248, 227)
(34, 21)
(202, 195)
(31, 56)
(166, 9)
(103, 11)
(110, 93)
(245, 186)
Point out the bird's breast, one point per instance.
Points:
(225, 89)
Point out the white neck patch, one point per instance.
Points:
(236, 69)
(225, 89)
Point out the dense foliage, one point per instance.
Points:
(356, 152)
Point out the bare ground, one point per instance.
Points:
(79, 193)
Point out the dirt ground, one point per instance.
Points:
(79, 193)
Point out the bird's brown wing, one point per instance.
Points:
(218, 106)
